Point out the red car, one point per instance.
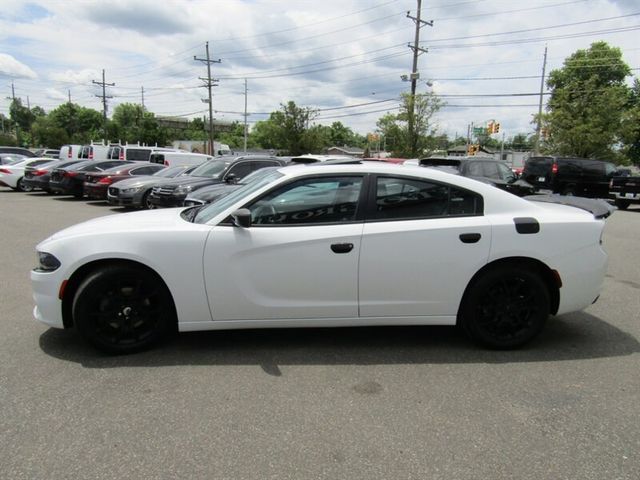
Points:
(97, 183)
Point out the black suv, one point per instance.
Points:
(582, 177)
(222, 169)
(483, 169)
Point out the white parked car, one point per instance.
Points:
(12, 175)
(326, 246)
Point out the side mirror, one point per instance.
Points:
(242, 218)
(232, 179)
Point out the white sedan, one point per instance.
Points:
(325, 246)
(11, 175)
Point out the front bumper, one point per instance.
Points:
(48, 309)
(95, 192)
(168, 201)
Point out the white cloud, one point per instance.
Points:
(11, 67)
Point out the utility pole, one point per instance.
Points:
(69, 91)
(13, 92)
(413, 138)
(104, 96)
(142, 91)
(28, 104)
(245, 116)
(209, 83)
(539, 122)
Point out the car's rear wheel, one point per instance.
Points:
(569, 190)
(505, 307)
(21, 187)
(123, 309)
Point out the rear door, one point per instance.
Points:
(421, 244)
(537, 171)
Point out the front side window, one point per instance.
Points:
(324, 200)
(408, 198)
(240, 170)
(211, 169)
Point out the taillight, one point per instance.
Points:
(554, 168)
(166, 162)
(4, 170)
(69, 153)
(70, 174)
(121, 156)
(105, 180)
(37, 173)
(91, 154)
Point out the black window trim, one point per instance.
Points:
(370, 206)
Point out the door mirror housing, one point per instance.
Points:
(232, 179)
(241, 218)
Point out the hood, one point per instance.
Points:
(141, 181)
(162, 219)
(214, 191)
(191, 181)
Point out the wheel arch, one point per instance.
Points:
(550, 277)
(84, 270)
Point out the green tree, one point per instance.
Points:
(288, 130)
(588, 96)
(132, 123)
(395, 127)
(630, 129)
(47, 133)
(80, 124)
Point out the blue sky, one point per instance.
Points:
(344, 58)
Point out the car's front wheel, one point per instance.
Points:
(505, 307)
(123, 309)
(622, 204)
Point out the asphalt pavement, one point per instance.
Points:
(361, 403)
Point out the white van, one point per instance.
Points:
(136, 153)
(70, 152)
(174, 159)
(94, 151)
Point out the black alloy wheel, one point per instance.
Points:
(622, 204)
(506, 307)
(123, 309)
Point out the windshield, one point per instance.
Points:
(169, 172)
(211, 168)
(213, 209)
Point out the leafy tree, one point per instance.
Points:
(80, 124)
(132, 123)
(588, 96)
(395, 127)
(47, 133)
(630, 133)
(288, 129)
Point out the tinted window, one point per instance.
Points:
(404, 198)
(475, 169)
(138, 154)
(157, 158)
(210, 169)
(491, 170)
(146, 170)
(241, 169)
(113, 153)
(84, 152)
(309, 201)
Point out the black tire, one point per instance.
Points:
(21, 187)
(623, 204)
(569, 190)
(123, 309)
(145, 203)
(505, 307)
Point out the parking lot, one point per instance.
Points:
(419, 402)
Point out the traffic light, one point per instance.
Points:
(496, 127)
(472, 150)
(490, 128)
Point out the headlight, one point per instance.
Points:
(130, 190)
(47, 262)
(183, 190)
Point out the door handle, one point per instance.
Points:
(342, 247)
(470, 237)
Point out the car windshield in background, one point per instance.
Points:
(213, 209)
(210, 169)
(169, 172)
(440, 162)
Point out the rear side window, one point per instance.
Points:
(538, 164)
(404, 199)
(157, 158)
(138, 154)
(113, 153)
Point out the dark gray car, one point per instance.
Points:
(134, 192)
